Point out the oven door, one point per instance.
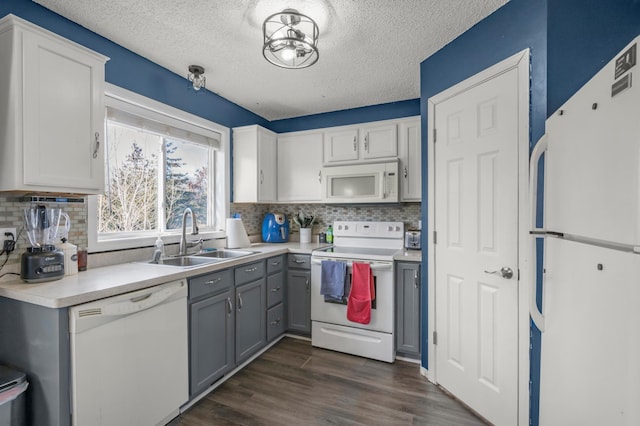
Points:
(382, 312)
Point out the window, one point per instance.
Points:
(158, 162)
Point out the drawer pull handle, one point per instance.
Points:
(239, 302)
(277, 321)
(214, 281)
(273, 290)
(251, 269)
(230, 310)
(298, 261)
(275, 263)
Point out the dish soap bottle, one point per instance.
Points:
(330, 234)
(158, 254)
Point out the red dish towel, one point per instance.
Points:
(361, 294)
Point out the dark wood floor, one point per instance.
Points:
(294, 383)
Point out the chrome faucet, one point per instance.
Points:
(194, 231)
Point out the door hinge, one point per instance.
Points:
(435, 237)
(518, 274)
(435, 338)
(434, 135)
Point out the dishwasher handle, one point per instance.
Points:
(129, 303)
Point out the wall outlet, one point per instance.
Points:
(3, 237)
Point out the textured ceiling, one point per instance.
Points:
(370, 50)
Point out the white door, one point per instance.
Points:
(300, 167)
(476, 252)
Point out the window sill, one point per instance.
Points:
(148, 241)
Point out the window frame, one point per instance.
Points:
(119, 98)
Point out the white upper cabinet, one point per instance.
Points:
(410, 153)
(379, 141)
(300, 166)
(51, 112)
(352, 144)
(254, 165)
(341, 145)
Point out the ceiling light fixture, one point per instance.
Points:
(290, 39)
(196, 77)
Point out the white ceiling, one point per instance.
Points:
(370, 50)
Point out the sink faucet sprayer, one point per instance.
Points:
(194, 231)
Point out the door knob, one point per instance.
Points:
(504, 272)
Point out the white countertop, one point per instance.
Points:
(107, 281)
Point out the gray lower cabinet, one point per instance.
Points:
(251, 306)
(211, 326)
(299, 293)
(408, 308)
(275, 297)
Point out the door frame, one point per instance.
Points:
(519, 61)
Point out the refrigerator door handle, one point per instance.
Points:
(541, 147)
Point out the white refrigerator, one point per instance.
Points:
(590, 316)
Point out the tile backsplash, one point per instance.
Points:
(325, 214)
(11, 215)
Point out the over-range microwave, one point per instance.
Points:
(361, 183)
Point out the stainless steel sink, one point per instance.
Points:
(200, 259)
(224, 254)
(185, 261)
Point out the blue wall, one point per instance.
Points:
(351, 116)
(583, 36)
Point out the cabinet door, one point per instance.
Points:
(408, 308)
(63, 116)
(299, 300)
(340, 145)
(410, 152)
(379, 141)
(267, 173)
(300, 167)
(254, 165)
(211, 343)
(250, 319)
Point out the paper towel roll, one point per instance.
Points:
(236, 234)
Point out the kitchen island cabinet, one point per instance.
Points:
(408, 308)
(299, 293)
(51, 112)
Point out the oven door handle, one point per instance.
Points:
(378, 266)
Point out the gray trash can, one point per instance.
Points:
(13, 385)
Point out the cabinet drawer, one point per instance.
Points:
(249, 272)
(275, 322)
(300, 261)
(210, 284)
(275, 264)
(274, 289)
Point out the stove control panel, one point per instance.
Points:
(368, 229)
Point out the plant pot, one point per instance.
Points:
(305, 235)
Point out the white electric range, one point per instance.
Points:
(374, 243)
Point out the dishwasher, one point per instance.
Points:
(129, 357)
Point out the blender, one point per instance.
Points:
(42, 261)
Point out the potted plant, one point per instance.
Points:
(305, 223)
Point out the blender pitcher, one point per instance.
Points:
(42, 261)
